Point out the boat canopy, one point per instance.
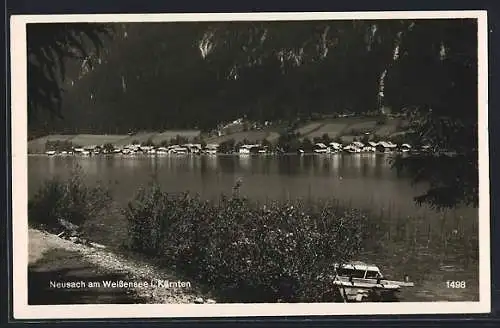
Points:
(358, 270)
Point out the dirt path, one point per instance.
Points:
(54, 260)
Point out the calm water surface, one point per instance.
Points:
(364, 180)
(361, 180)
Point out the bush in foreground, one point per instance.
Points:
(249, 252)
(70, 200)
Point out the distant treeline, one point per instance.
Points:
(60, 145)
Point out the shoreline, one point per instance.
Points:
(119, 276)
(119, 155)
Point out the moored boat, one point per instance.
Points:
(358, 282)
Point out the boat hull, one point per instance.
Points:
(356, 294)
(368, 290)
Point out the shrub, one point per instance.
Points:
(325, 138)
(148, 143)
(365, 139)
(70, 200)
(317, 140)
(306, 145)
(180, 140)
(59, 145)
(108, 147)
(266, 143)
(249, 252)
(227, 146)
(144, 217)
(381, 120)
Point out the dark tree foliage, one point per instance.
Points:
(436, 87)
(108, 147)
(50, 47)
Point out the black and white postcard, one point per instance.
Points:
(250, 164)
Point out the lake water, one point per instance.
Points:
(365, 180)
(361, 180)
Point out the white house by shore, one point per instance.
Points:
(320, 148)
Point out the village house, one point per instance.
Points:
(211, 149)
(248, 149)
(262, 150)
(90, 147)
(245, 149)
(352, 149)
(320, 148)
(335, 146)
(386, 146)
(426, 148)
(358, 144)
(194, 148)
(176, 149)
(368, 148)
(405, 148)
(162, 151)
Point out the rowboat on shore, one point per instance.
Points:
(358, 282)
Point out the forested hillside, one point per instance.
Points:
(155, 76)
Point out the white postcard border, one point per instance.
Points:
(20, 182)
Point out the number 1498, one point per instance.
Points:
(456, 284)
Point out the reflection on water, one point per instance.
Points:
(245, 161)
(365, 180)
